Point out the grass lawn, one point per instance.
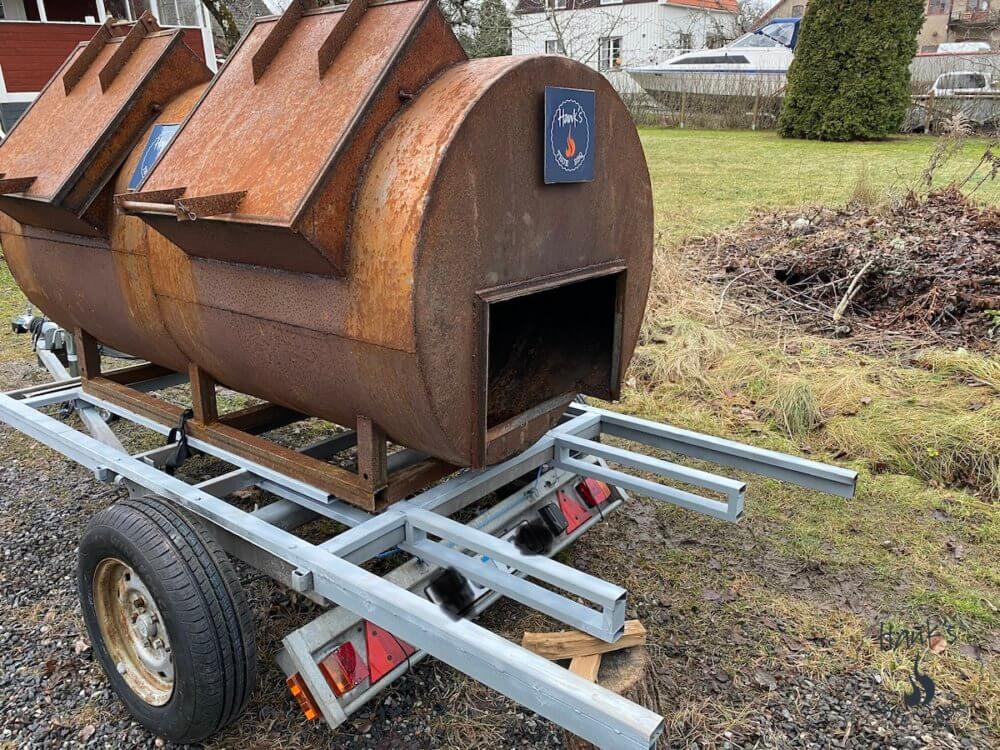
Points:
(704, 180)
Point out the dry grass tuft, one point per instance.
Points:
(962, 363)
(795, 408)
(865, 193)
(926, 439)
(683, 349)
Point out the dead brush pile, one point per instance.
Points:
(926, 268)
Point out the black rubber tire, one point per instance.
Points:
(204, 610)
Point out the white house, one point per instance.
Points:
(613, 34)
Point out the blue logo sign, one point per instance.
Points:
(159, 139)
(569, 135)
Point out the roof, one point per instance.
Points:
(730, 6)
(723, 6)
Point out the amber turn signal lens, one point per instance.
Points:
(301, 693)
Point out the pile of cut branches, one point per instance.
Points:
(924, 267)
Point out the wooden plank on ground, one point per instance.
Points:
(586, 667)
(569, 644)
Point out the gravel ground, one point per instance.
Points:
(52, 693)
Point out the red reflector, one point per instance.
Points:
(576, 514)
(593, 491)
(298, 688)
(343, 668)
(385, 651)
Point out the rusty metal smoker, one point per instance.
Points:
(351, 221)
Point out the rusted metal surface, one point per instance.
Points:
(145, 25)
(203, 206)
(133, 631)
(239, 135)
(104, 124)
(389, 259)
(338, 36)
(277, 36)
(83, 61)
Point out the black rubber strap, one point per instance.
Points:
(179, 435)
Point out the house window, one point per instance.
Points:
(555, 4)
(714, 41)
(937, 7)
(685, 41)
(610, 53)
(798, 11)
(554, 47)
(2, 13)
(178, 12)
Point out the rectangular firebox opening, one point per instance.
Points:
(551, 341)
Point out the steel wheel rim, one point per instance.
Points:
(133, 631)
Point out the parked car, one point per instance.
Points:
(969, 94)
(962, 83)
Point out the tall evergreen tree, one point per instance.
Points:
(851, 76)
(492, 34)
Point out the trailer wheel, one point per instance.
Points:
(167, 618)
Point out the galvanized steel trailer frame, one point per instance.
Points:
(331, 572)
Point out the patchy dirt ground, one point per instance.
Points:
(923, 267)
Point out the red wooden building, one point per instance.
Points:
(36, 36)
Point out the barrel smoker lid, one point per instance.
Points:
(96, 105)
(267, 129)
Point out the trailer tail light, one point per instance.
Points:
(385, 651)
(301, 693)
(343, 668)
(593, 491)
(576, 515)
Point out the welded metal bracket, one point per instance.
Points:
(146, 24)
(11, 185)
(340, 33)
(277, 36)
(74, 73)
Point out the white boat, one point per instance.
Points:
(755, 64)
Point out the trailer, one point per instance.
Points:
(157, 585)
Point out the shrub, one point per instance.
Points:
(851, 76)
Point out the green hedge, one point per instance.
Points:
(851, 76)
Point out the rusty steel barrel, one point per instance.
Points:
(351, 220)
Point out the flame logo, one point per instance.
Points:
(570, 145)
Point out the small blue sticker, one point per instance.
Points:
(159, 139)
(569, 135)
